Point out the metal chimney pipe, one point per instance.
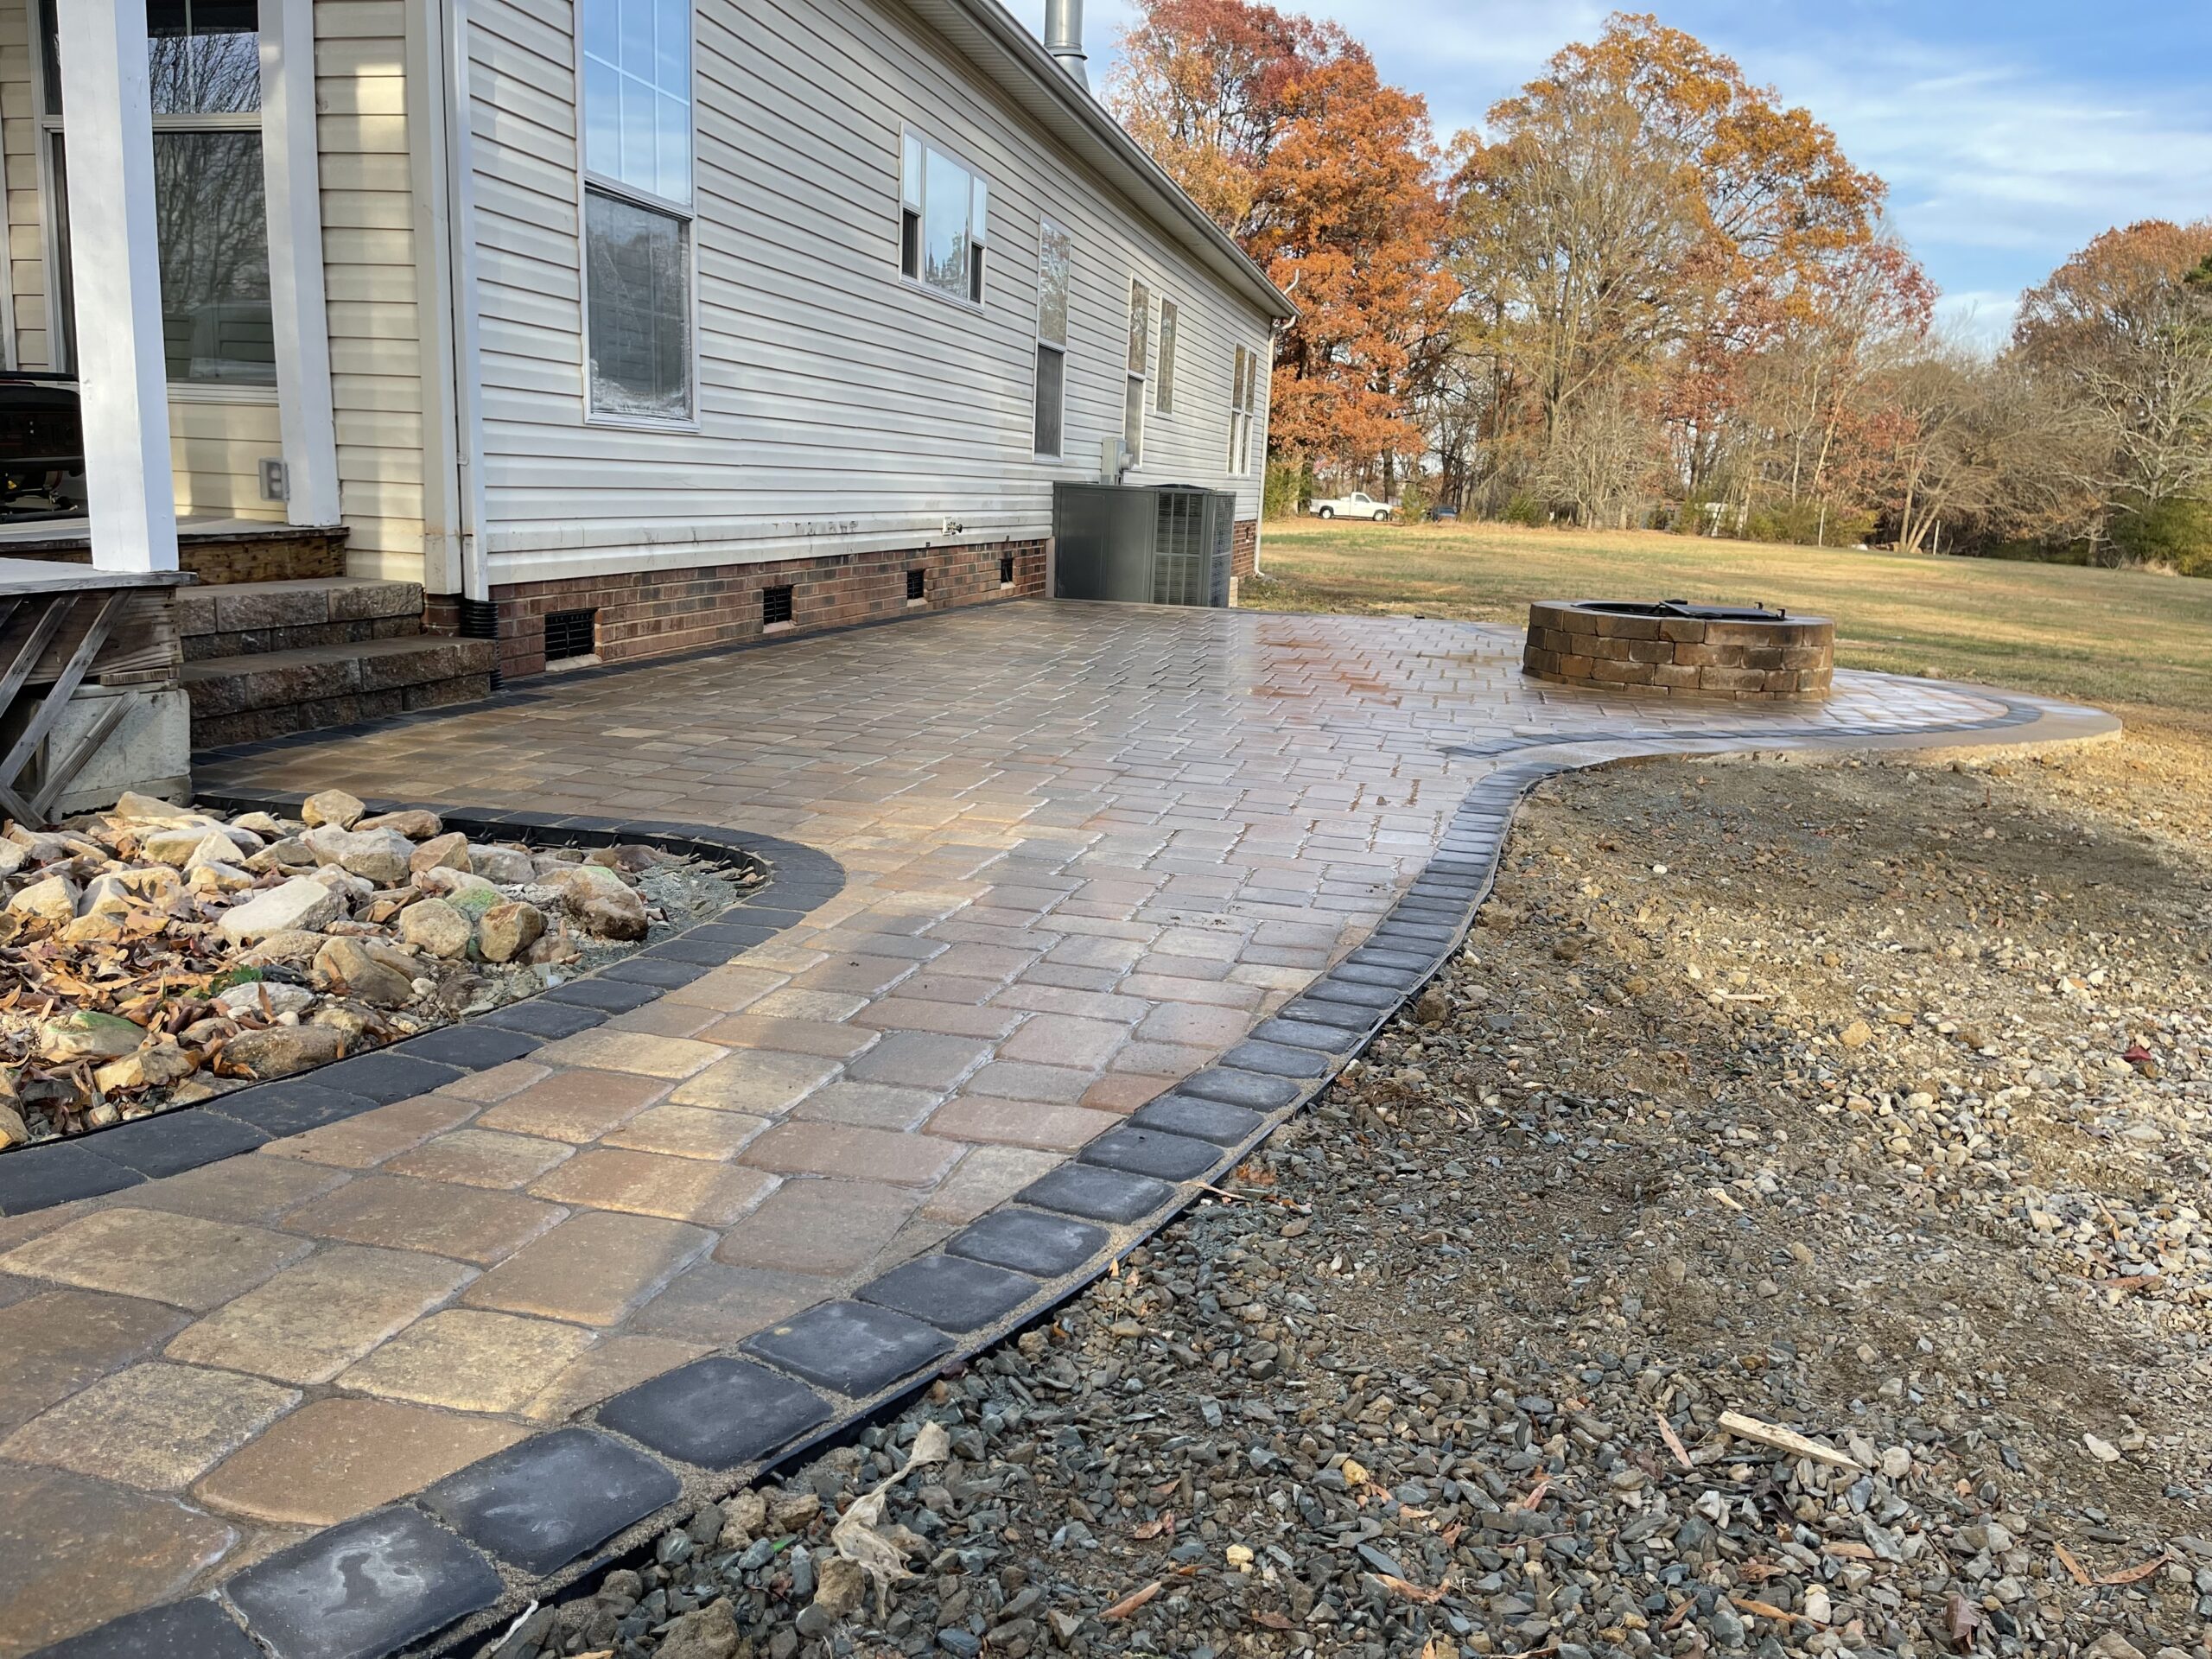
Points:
(1063, 36)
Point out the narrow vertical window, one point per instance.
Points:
(1055, 265)
(945, 211)
(637, 195)
(1243, 394)
(1139, 372)
(1163, 379)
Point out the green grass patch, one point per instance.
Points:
(2109, 637)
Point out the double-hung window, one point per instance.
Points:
(943, 220)
(1163, 377)
(1140, 371)
(638, 195)
(1055, 265)
(203, 58)
(1243, 396)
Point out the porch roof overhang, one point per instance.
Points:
(996, 42)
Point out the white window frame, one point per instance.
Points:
(1046, 228)
(1163, 375)
(975, 294)
(684, 213)
(1137, 390)
(1244, 403)
(51, 124)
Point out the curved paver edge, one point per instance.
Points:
(780, 1397)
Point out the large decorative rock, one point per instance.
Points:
(411, 822)
(47, 906)
(434, 926)
(119, 892)
(85, 1034)
(134, 808)
(351, 889)
(145, 1068)
(280, 1051)
(104, 927)
(509, 866)
(301, 903)
(603, 903)
(446, 882)
(289, 853)
(287, 947)
(449, 852)
(13, 857)
(377, 855)
(346, 967)
(262, 824)
(265, 999)
(177, 844)
(213, 881)
(214, 847)
(332, 806)
(508, 930)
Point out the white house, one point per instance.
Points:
(667, 319)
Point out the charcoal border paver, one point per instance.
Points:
(855, 1348)
(324, 1598)
(953, 1292)
(545, 1501)
(718, 1413)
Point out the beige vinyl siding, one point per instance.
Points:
(839, 406)
(369, 285)
(19, 140)
(216, 448)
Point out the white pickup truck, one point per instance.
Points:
(1358, 504)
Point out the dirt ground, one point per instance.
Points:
(1870, 1100)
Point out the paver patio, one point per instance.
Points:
(1088, 848)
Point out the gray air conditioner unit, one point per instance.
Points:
(1157, 545)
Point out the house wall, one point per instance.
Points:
(841, 409)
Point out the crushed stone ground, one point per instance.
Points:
(1870, 1101)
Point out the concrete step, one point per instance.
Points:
(247, 697)
(216, 619)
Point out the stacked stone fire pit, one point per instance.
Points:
(1678, 649)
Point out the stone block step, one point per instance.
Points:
(245, 698)
(218, 620)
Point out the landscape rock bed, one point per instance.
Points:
(157, 956)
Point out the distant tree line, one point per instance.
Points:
(1646, 294)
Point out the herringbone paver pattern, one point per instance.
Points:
(1089, 849)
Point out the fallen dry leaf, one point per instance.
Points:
(1411, 1591)
(1961, 1618)
(2079, 1574)
(1152, 1528)
(1134, 1600)
(2136, 1574)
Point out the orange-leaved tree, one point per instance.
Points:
(1281, 130)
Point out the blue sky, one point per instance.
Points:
(2010, 133)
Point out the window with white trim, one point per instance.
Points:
(1140, 371)
(944, 210)
(1055, 266)
(203, 60)
(1244, 398)
(637, 196)
(1163, 379)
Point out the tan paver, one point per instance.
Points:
(593, 1268)
(662, 1018)
(364, 1142)
(650, 1184)
(614, 1364)
(152, 1254)
(54, 1342)
(817, 1226)
(855, 1154)
(468, 1360)
(155, 1427)
(578, 1106)
(310, 1322)
(711, 1302)
(870, 1105)
(986, 1177)
(496, 1084)
(257, 1190)
(726, 990)
(1061, 1039)
(760, 1082)
(481, 1158)
(76, 1553)
(688, 1132)
(981, 1120)
(402, 1212)
(334, 1459)
(792, 1035)
(632, 1050)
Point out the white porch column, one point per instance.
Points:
(123, 380)
(295, 292)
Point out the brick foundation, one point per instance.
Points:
(1244, 547)
(282, 553)
(653, 613)
(1789, 661)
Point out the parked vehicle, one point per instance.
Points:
(1358, 504)
(42, 447)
